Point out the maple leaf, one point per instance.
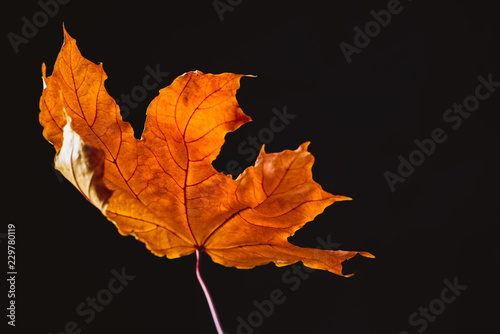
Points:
(163, 189)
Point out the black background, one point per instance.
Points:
(437, 225)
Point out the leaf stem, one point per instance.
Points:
(207, 294)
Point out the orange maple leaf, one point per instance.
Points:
(163, 189)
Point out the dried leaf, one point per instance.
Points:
(163, 188)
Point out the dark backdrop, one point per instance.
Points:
(435, 227)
